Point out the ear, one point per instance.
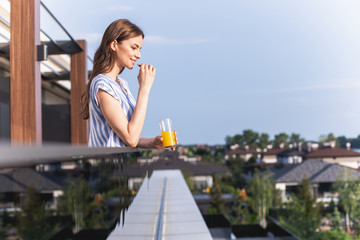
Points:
(113, 45)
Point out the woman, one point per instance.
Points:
(116, 119)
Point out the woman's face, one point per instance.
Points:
(128, 51)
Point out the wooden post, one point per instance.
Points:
(25, 76)
(79, 79)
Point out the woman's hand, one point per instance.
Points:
(146, 76)
(154, 143)
(157, 143)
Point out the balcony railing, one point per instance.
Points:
(62, 191)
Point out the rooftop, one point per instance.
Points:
(20, 179)
(332, 152)
(316, 170)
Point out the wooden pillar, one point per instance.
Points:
(79, 79)
(25, 76)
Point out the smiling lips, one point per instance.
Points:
(133, 61)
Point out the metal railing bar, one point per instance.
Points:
(57, 21)
(52, 41)
(90, 59)
(159, 225)
(22, 156)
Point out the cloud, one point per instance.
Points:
(159, 40)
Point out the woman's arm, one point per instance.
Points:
(128, 131)
(150, 143)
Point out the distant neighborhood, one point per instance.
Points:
(249, 172)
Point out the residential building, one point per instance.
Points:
(321, 174)
(244, 153)
(290, 156)
(270, 155)
(342, 156)
(15, 183)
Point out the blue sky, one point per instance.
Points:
(224, 66)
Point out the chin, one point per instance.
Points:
(130, 66)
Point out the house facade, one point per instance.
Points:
(342, 156)
(270, 155)
(290, 156)
(321, 174)
(245, 153)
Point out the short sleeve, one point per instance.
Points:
(105, 86)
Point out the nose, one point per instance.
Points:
(138, 54)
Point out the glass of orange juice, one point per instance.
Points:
(167, 133)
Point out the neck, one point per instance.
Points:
(114, 72)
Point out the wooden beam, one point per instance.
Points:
(25, 77)
(79, 79)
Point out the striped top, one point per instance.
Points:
(101, 134)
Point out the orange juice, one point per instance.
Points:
(168, 138)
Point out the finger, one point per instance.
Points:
(141, 65)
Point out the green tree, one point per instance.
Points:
(261, 190)
(281, 138)
(250, 138)
(355, 142)
(33, 218)
(303, 217)
(348, 187)
(242, 214)
(336, 220)
(202, 152)
(305, 194)
(330, 235)
(237, 139)
(236, 167)
(342, 140)
(330, 137)
(76, 200)
(295, 138)
(264, 140)
(228, 141)
(216, 202)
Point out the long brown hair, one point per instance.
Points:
(104, 58)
